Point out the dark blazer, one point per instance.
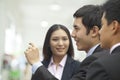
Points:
(81, 74)
(98, 52)
(71, 68)
(106, 68)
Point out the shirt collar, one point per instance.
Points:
(90, 52)
(114, 46)
(62, 62)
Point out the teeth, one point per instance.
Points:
(60, 49)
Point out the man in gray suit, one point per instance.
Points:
(108, 68)
(87, 23)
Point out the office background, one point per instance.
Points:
(24, 21)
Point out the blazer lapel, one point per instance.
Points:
(46, 63)
(116, 50)
(98, 49)
(67, 69)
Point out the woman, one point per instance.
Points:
(58, 53)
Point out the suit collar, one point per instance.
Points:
(116, 50)
(93, 49)
(67, 68)
(46, 63)
(98, 49)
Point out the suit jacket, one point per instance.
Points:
(80, 74)
(71, 68)
(98, 52)
(106, 68)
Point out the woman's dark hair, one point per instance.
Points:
(47, 53)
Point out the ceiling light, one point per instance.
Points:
(55, 7)
(44, 23)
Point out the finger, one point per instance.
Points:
(26, 52)
(31, 44)
(30, 47)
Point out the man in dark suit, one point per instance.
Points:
(87, 22)
(107, 68)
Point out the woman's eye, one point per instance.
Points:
(54, 39)
(65, 39)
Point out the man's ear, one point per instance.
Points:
(95, 31)
(115, 27)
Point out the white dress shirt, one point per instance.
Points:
(57, 71)
(90, 52)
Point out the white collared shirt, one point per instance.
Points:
(114, 46)
(57, 71)
(90, 52)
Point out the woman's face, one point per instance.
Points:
(59, 42)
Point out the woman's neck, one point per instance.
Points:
(57, 59)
